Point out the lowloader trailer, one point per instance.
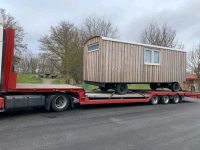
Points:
(61, 97)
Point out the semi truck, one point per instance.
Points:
(59, 98)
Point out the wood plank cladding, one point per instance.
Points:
(123, 62)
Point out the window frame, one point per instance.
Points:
(93, 45)
(152, 57)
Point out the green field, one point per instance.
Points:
(139, 86)
(62, 81)
(28, 78)
(57, 81)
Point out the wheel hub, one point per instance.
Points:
(60, 102)
(166, 99)
(176, 99)
(155, 100)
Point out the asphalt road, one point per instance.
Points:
(113, 127)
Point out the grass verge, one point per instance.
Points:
(57, 81)
(28, 78)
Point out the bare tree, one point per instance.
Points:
(160, 35)
(64, 46)
(193, 62)
(28, 63)
(9, 21)
(47, 63)
(33, 63)
(99, 26)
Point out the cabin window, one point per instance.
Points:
(152, 57)
(93, 47)
(156, 58)
(148, 56)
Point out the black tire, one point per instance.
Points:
(165, 100)
(121, 88)
(60, 102)
(103, 89)
(175, 87)
(153, 86)
(176, 99)
(154, 100)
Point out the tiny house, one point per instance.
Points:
(112, 64)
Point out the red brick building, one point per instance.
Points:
(191, 82)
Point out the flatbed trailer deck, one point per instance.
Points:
(61, 97)
(136, 96)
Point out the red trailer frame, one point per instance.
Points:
(87, 101)
(9, 86)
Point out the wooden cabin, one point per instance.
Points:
(109, 62)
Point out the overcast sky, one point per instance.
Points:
(130, 16)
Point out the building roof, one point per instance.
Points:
(134, 43)
(192, 76)
(141, 44)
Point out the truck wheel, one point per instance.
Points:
(60, 102)
(165, 99)
(176, 99)
(121, 88)
(175, 87)
(103, 89)
(154, 100)
(153, 86)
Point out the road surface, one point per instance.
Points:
(113, 127)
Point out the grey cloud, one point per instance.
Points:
(185, 19)
(130, 16)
